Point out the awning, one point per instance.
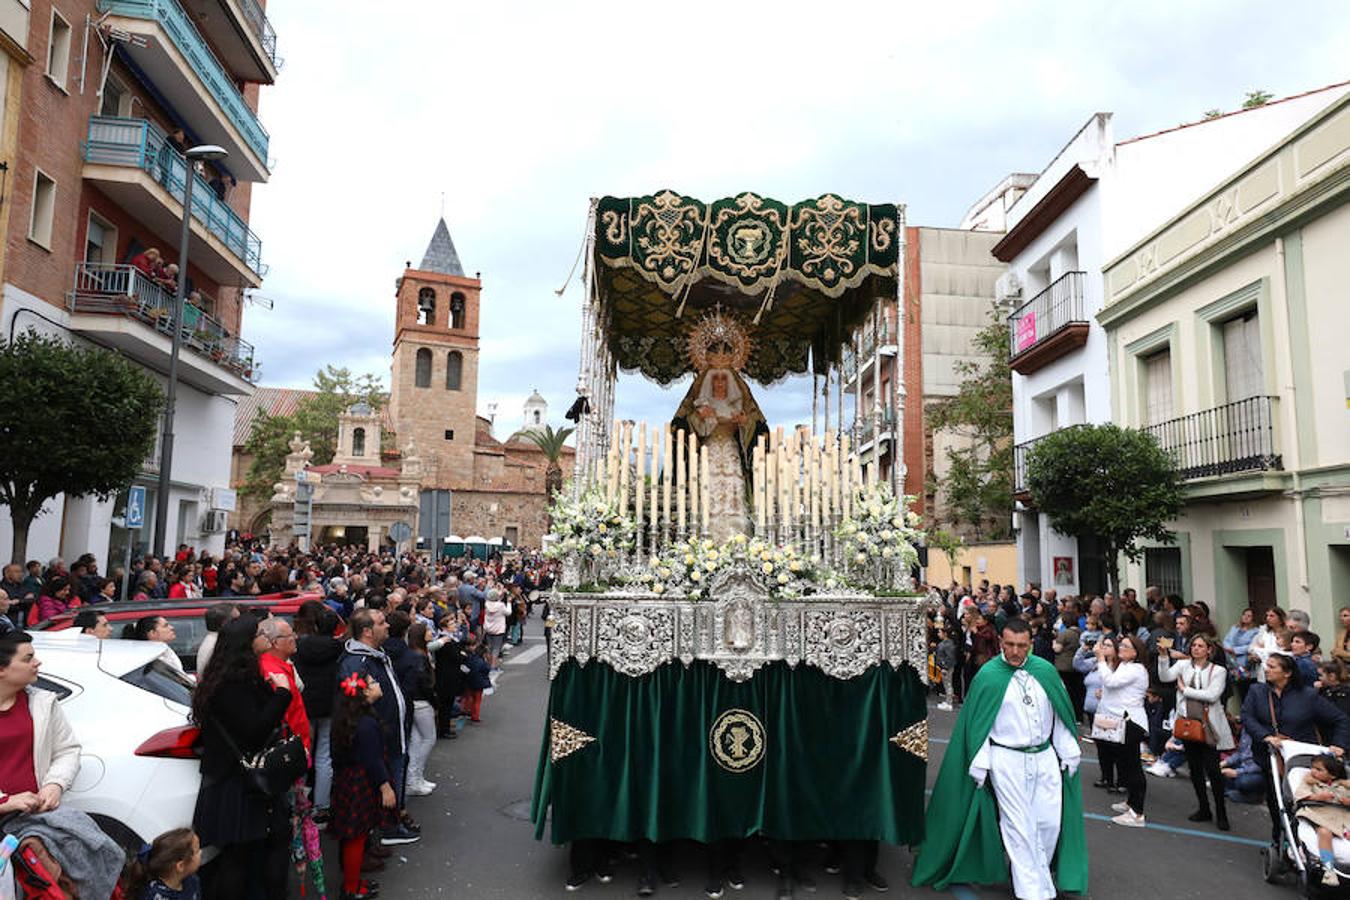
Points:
(808, 272)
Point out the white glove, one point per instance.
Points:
(1070, 766)
(979, 775)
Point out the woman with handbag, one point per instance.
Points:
(1103, 652)
(1201, 725)
(239, 714)
(1120, 722)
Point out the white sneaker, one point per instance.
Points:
(429, 786)
(1330, 878)
(1120, 807)
(1130, 819)
(945, 706)
(1161, 770)
(418, 788)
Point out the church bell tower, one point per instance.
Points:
(434, 384)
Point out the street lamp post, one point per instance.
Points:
(202, 152)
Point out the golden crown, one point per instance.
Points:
(718, 341)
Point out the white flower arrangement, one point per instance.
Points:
(685, 568)
(882, 528)
(589, 527)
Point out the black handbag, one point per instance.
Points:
(272, 770)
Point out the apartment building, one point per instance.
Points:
(1095, 198)
(1225, 333)
(115, 96)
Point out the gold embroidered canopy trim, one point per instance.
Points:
(798, 277)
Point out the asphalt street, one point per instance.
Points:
(478, 842)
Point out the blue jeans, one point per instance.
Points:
(323, 762)
(398, 775)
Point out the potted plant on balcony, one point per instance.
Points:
(155, 313)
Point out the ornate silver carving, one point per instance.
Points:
(740, 630)
(635, 641)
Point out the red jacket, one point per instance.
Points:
(296, 717)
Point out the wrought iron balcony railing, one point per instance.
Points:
(262, 26)
(1236, 437)
(125, 290)
(189, 41)
(143, 144)
(1047, 313)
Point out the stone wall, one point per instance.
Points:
(491, 513)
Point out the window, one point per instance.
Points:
(116, 99)
(536, 417)
(454, 370)
(1162, 567)
(58, 50)
(449, 434)
(422, 369)
(358, 442)
(456, 310)
(1158, 386)
(1242, 373)
(44, 209)
(100, 241)
(426, 306)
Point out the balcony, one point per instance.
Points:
(868, 431)
(133, 163)
(242, 35)
(121, 306)
(1231, 439)
(869, 342)
(169, 49)
(1020, 452)
(1048, 325)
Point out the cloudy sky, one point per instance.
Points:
(516, 113)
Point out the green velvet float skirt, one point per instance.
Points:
(791, 754)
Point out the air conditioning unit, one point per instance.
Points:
(1007, 287)
(214, 521)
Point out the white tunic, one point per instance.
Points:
(1027, 785)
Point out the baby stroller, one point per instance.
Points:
(1295, 851)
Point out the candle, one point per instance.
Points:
(666, 474)
(683, 479)
(760, 511)
(612, 481)
(693, 483)
(703, 482)
(846, 477)
(626, 449)
(815, 483)
(638, 484)
(656, 458)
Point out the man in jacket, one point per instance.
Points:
(367, 631)
(22, 598)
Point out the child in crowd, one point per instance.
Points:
(945, 656)
(1326, 793)
(361, 784)
(167, 869)
(477, 678)
(1333, 684)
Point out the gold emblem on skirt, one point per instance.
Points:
(737, 740)
(914, 739)
(564, 740)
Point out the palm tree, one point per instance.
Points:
(551, 443)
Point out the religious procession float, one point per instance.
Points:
(736, 646)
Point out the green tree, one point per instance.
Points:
(1115, 484)
(977, 489)
(78, 421)
(551, 443)
(315, 417)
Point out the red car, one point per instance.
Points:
(187, 616)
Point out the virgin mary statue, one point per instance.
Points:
(721, 411)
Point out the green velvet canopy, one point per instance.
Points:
(809, 272)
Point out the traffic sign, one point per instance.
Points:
(135, 507)
(400, 532)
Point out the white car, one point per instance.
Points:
(139, 775)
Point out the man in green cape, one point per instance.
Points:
(1009, 780)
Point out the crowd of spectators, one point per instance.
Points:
(387, 655)
(1158, 690)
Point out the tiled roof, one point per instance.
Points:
(272, 401)
(441, 255)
